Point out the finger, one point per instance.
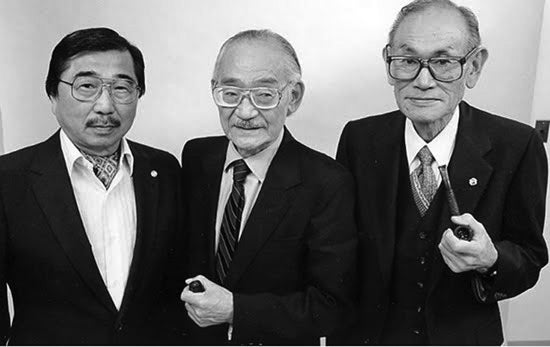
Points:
(449, 261)
(456, 245)
(450, 241)
(194, 318)
(460, 262)
(190, 309)
(464, 219)
(190, 297)
(191, 279)
(468, 220)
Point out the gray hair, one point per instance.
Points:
(417, 6)
(293, 65)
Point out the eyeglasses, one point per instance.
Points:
(89, 89)
(262, 98)
(443, 69)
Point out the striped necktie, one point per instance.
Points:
(231, 222)
(423, 181)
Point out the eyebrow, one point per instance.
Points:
(95, 74)
(236, 81)
(439, 52)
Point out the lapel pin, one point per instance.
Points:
(473, 181)
(154, 173)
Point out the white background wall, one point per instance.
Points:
(339, 44)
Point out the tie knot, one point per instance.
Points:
(425, 156)
(240, 171)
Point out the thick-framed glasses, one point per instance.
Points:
(89, 89)
(262, 98)
(443, 69)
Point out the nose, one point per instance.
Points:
(245, 109)
(424, 80)
(104, 103)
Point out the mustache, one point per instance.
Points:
(108, 122)
(247, 124)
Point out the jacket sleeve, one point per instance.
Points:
(522, 251)
(4, 310)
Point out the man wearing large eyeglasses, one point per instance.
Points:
(88, 219)
(270, 228)
(422, 283)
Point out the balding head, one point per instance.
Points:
(470, 19)
(293, 70)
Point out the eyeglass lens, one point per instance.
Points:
(260, 97)
(88, 88)
(442, 69)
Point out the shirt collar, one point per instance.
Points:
(441, 146)
(259, 162)
(73, 155)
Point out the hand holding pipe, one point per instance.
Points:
(460, 231)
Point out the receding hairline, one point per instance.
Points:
(266, 38)
(467, 16)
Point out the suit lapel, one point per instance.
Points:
(273, 202)
(53, 191)
(146, 189)
(385, 162)
(469, 174)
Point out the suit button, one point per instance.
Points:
(422, 235)
(420, 285)
(416, 332)
(419, 309)
(120, 327)
(422, 260)
(366, 342)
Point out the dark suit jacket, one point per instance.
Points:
(293, 271)
(59, 295)
(509, 162)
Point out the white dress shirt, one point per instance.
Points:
(258, 164)
(108, 215)
(441, 146)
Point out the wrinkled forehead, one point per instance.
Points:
(433, 31)
(253, 62)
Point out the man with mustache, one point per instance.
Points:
(88, 219)
(270, 230)
(421, 283)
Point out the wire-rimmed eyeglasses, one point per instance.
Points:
(89, 89)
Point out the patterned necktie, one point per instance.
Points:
(231, 222)
(105, 168)
(423, 181)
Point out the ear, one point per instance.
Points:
(473, 71)
(296, 96)
(53, 100)
(391, 81)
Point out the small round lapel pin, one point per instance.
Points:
(473, 181)
(154, 173)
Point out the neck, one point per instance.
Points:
(428, 131)
(103, 152)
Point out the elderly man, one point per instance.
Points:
(271, 235)
(421, 283)
(88, 218)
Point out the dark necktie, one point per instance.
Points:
(423, 181)
(231, 222)
(105, 168)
